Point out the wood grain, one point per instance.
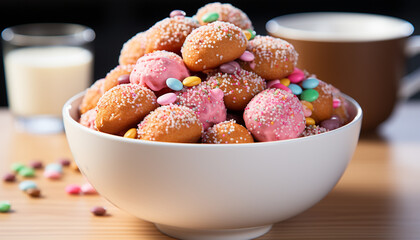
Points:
(378, 197)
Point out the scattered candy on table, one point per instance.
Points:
(27, 184)
(26, 172)
(73, 189)
(9, 177)
(4, 206)
(98, 211)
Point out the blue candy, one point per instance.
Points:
(174, 84)
(25, 185)
(296, 89)
(56, 167)
(310, 83)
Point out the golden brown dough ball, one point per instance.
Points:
(213, 44)
(238, 88)
(171, 123)
(227, 132)
(111, 79)
(133, 49)
(124, 106)
(323, 105)
(92, 96)
(169, 34)
(226, 12)
(274, 57)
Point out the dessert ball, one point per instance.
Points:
(112, 79)
(274, 58)
(323, 105)
(92, 95)
(169, 34)
(238, 88)
(133, 49)
(213, 44)
(123, 107)
(274, 114)
(153, 69)
(224, 12)
(227, 132)
(87, 119)
(206, 102)
(171, 123)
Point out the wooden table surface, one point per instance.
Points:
(378, 197)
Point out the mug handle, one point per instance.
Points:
(411, 82)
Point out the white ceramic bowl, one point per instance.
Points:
(208, 191)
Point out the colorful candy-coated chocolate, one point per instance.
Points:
(54, 167)
(230, 67)
(306, 111)
(52, 174)
(33, 192)
(65, 162)
(177, 13)
(131, 133)
(36, 164)
(174, 84)
(9, 177)
(281, 86)
(296, 89)
(309, 95)
(210, 17)
(285, 82)
(247, 34)
(253, 33)
(310, 83)
(73, 189)
(87, 188)
(296, 76)
(331, 123)
(25, 185)
(336, 102)
(272, 82)
(309, 121)
(167, 98)
(98, 211)
(17, 166)
(191, 81)
(27, 172)
(307, 104)
(247, 56)
(4, 206)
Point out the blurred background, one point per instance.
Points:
(116, 21)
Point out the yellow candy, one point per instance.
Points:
(248, 35)
(191, 81)
(131, 133)
(285, 82)
(309, 121)
(308, 105)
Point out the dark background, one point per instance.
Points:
(116, 21)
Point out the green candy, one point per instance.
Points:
(309, 95)
(4, 206)
(210, 17)
(253, 33)
(27, 172)
(17, 166)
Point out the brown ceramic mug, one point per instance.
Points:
(361, 54)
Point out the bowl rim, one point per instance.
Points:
(68, 105)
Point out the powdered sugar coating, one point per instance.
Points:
(274, 114)
(171, 123)
(239, 87)
(210, 109)
(153, 69)
(169, 34)
(213, 44)
(227, 13)
(227, 132)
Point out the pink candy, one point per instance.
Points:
(87, 188)
(272, 82)
(124, 79)
(336, 103)
(73, 189)
(247, 56)
(281, 86)
(51, 174)
(167, 98)
(296, 76)
(230, 67)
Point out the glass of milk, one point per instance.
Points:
(45, 64)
